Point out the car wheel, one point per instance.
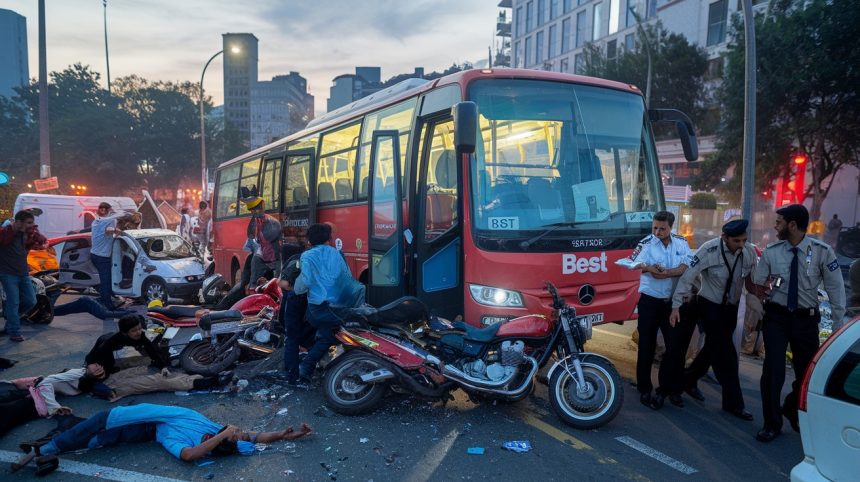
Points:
(154, 289)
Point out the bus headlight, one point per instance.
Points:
(487, 295)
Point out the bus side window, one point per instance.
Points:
(337, 163)
(250, 177)
(270, 188)
(440, 189)
(398, 117)
(228, 192)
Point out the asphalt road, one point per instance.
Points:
(409, 439)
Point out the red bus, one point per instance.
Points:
(506, 178)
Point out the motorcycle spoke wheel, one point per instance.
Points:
(593, 408)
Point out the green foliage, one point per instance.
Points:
(703, 200)
(807, 95)
(677, 71)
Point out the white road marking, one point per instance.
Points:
(610, 333)
(425, 468)
(656, 454)
(92, 470)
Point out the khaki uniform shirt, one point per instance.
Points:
(816, 265)
(708, 261)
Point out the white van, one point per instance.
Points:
(64, 214)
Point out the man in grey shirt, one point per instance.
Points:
(724, 264)
(789, 272)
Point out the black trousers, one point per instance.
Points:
(781, 328)
(718, 352)
(653, 316)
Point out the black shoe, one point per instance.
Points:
(767, 435)
(793, 419)
(645, 399)
(33, 446)
(657, 401)
(47, 464)
(676, 400)
(741, 414)
(696, 393)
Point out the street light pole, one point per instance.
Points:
(748, 180)
(107, 57)
(203, 178)
(44, 132)
(644, 37)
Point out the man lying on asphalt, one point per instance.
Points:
(185, 433)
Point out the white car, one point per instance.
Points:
(830, 410)
(147, 263)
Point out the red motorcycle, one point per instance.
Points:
(267, 294)
(399, 346)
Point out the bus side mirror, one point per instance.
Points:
(465, 126)
(686, 132)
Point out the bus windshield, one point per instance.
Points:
(559, 161)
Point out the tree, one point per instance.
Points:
(703, 200)
(807, 96)
(678, 70)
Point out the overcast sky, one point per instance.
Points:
(172, 39)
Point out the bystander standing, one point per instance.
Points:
(16, 240)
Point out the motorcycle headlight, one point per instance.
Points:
(487, 295)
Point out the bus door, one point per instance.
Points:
(438, 263)
(385, 220)
(298, 198)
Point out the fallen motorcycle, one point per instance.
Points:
(268, 294)
(228, 335)
(400, 346)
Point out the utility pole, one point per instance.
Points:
(44, 133)
(107, 57)
(748, 180)
(647, 43)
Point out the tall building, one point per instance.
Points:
(14, 71)
(502, 57)
(240, 75)
(279, 107)
(347, 88)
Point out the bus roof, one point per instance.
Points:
(413, 87)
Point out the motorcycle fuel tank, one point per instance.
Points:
(529, 326)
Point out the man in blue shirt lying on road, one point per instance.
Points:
(185, 433)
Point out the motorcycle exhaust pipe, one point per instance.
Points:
(261, 349)
(494, 388)
(377, 376)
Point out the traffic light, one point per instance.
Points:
(791, 187)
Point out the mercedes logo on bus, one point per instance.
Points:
(586, 294)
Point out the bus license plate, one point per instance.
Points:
(594, 318)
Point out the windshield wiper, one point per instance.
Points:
(552, 227)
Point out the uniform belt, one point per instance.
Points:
(664, 300)
(776, 307)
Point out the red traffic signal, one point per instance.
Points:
(800, 159)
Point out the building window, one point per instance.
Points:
(530, 16)
(528, 53)
(568, 4)
(540, 12)
(539, 47)
(651, 8)
(597, 22)
(562, 66)
(578, 63)
(717, 13)
(553, 51)
(630, 42)
(580, 29)
(611, 50)
(630, 18)
(565, 35)
(518, 54)
(518, 23)
(553, 9)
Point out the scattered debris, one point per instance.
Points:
(209, 476)
(205, 462)
(364, 440)
(323, 411)
(288, 447)
(475, 450)
(283, 411)
(241, 385)
(288, 472)
(332, 472)
(519, 446)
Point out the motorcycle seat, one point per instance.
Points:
(176, 311)
(407, 310)
(478, 334)
(213, 317)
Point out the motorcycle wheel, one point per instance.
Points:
(595, 411)
(345, 393)
(200, 357)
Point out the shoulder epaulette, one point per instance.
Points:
(713, 248)
(646, 239)
(819, 243)
(775, 243)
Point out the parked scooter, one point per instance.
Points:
(266, 295)
(47, 289)
(400, 346)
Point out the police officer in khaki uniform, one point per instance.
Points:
(724, 263)
(789, 272)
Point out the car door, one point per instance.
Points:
(76, 268)
(124, 254)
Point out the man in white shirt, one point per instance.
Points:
(663, 257)
(103, 231)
